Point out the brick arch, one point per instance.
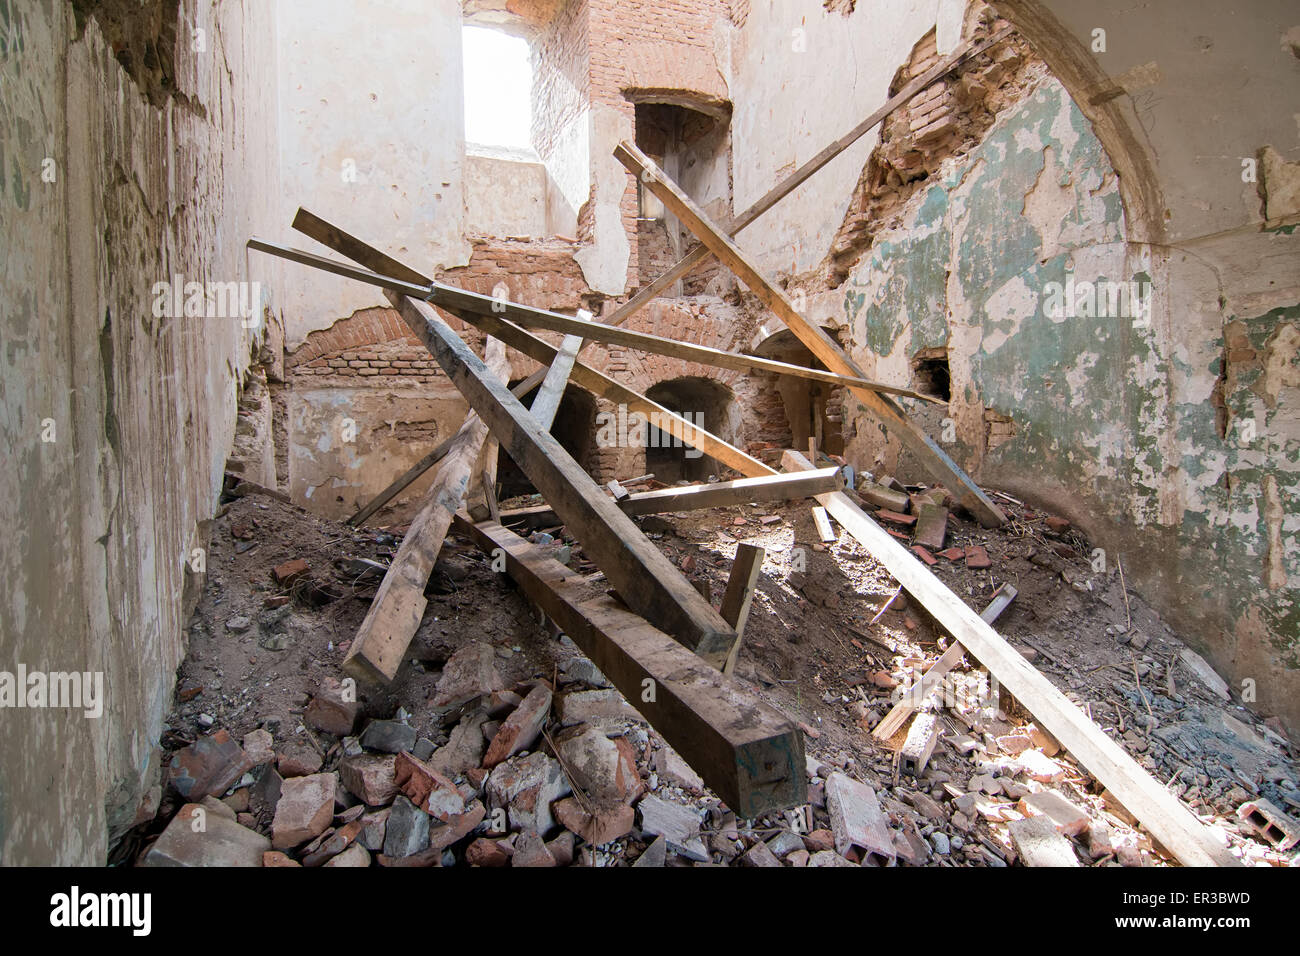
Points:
(668, 72)
(712, 327)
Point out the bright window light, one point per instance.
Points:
(498, 89)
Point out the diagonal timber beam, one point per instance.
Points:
(547, 402)
(746, 751)
(536, 349)
(460, 301)
(645, 579)
(701, 252)
(395, 613)
(914, 438)
(1155, 807)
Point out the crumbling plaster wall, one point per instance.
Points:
(1115, 417)
(112, 183)
(383, 156)
(801, 77)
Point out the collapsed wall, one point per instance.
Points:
(137, 143)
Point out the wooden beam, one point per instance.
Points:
(1158, 810)
(646, 580)
(547, 403)
(823, 523)
(537, 349)
(926, 450)
(739, 596)
(394, 615)
(925, 688)
(718, 494)
(530, 318)
(424, 464)
(745, 750)
(701, 252)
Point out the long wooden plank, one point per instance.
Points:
(724, 494)
(537, 349)
(646, 580)
(738, 598)
(915, 698)
(394, 615)
(927, 451)
(530, 318)
(1159, 811)
(461, 301)
(719, 494)
(701, 252)
(745, 750)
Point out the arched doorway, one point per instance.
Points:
(812, 409)
(703, 402)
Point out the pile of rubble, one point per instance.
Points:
(543, 774)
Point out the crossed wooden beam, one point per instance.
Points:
(660, 632)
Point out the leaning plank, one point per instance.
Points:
(823, 523)
(537, 349)
(745, 750)
(739, 596)
(531, 318)
(927, 451)
(1159, 811)
(697, 255)
(915, 698)
(395, 613)
(724, 494)
(547, 403)
(646, 580)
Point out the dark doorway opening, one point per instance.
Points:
(704, 403)
(930, 373)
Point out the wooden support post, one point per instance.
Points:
(395, 613)
(745, 750)
(926, 450)
(547, 403)
(701, 252)
(645, 579)
(1159, 811)
(739, 596)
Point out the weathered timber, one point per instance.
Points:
(394, 615)
(739, 596)
(925, 448)
(1159, 811)
(746, 751)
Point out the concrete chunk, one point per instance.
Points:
(1039, 844)
(196, 837)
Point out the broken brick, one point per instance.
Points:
(210, 765)
(290, 571)
(522, 728)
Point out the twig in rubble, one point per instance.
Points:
(892, 598)
(1138, 677)
(1123, 587)
(582, 798)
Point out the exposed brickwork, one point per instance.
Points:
(946, 119)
